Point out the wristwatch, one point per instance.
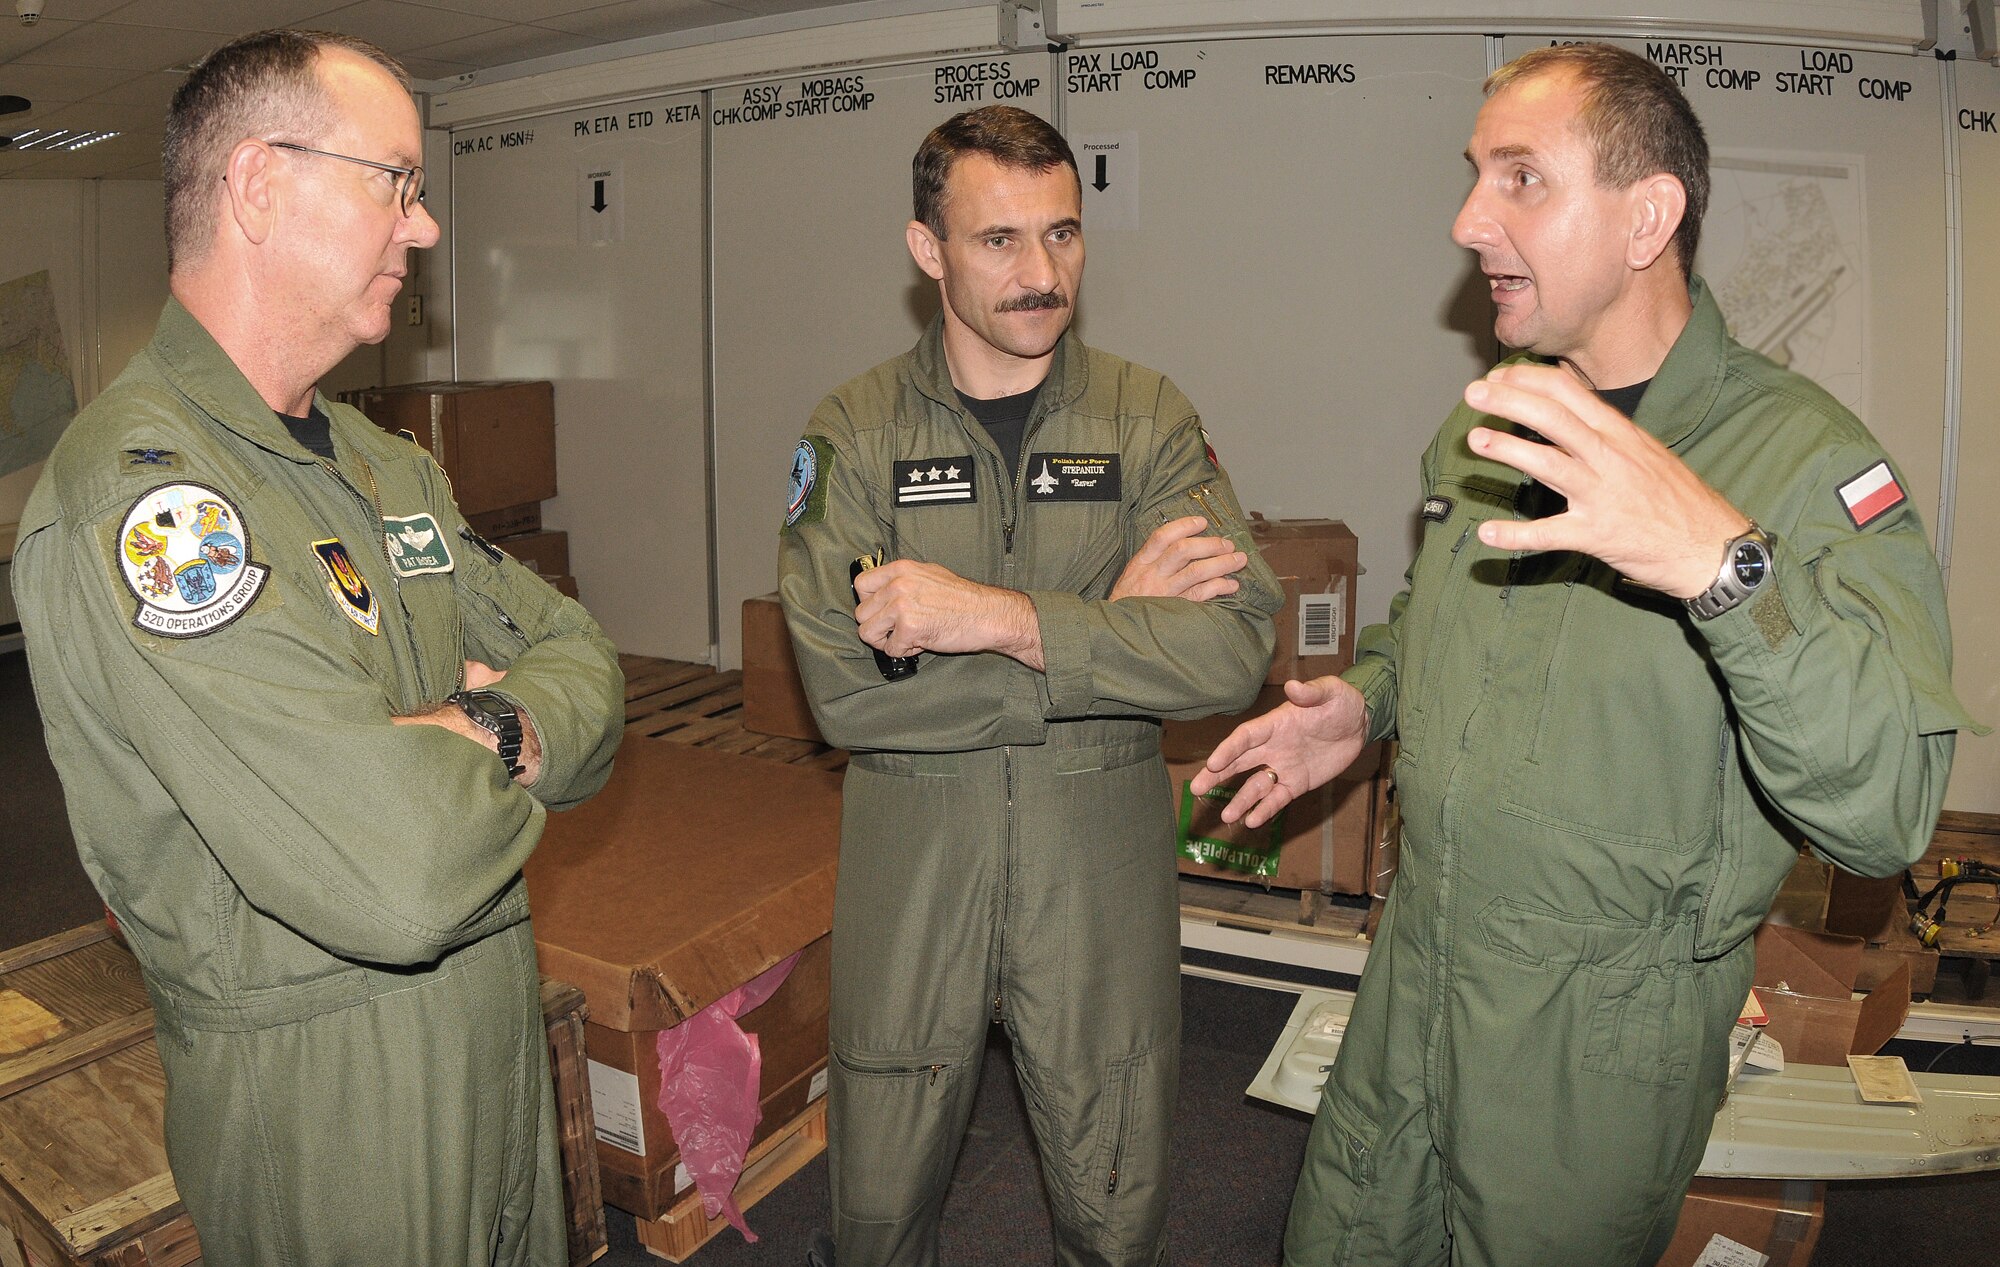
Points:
(1746, 566)
(492, 713)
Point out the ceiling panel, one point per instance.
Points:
(507, 44)
(124, 58)
(401, 27)
(632, 19)
(221, 17)
(122, 47)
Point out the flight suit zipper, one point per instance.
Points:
(1006, 879)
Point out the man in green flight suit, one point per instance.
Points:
(1624, 687)
(1068, 564)
(309, 724)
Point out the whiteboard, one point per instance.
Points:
(607, 302)
(813, 284)
(1274, 235)
(1825, 237)
(1975, 554)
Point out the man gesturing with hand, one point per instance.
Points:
(1671, 613)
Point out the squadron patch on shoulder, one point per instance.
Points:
(415, 545)
(1871, 495)
(805, 496)
(349, 588)
(1208, 448)
(184, 552)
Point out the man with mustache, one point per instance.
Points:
(1672, 613)
(1068, 564)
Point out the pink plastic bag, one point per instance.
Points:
(709, 1071)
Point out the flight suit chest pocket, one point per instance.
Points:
(1620, 681)
(1441, 586)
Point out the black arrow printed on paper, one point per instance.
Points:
(598, 203)
(1100, 182)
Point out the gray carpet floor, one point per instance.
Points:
(1234, 1158)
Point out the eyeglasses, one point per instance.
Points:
(410, 188)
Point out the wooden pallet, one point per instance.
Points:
(695, 705)
(678, 1233)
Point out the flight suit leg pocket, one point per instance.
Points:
(1639, 1024)
(896, 1122)
(1129, 1181)
(1336, 1186)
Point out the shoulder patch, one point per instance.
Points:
(1871, 495)
(184, 552)
(805, 496)
(415, 545)
(1208, 448)
(1437, 509)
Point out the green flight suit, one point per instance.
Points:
(328, 907)
(1600, 797)
(1007, 840)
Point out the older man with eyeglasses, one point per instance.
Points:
(308, 723)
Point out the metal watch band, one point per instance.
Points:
(493, 714)
(1731, 587)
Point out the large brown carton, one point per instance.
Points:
(1779, 1219)
(1317, 561)
(546, 551)
(774, 696)
(1805, 980)
(496, 440)
(691, 873)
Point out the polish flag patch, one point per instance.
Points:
(1871, 495)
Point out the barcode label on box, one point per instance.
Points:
(1723, 1252)
(817, 1088)
(614, 1099)
(1322, 619)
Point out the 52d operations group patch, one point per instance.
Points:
(184, 552)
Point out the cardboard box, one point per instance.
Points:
(80, 1069)
(1318, 563)
(546, 551)
(565, 584)
(1805, 980)
(507, 521)
(1875, 911)
(1324, 840)
(1777, 1218)
(496, 440)
(774, 697)
(692, 872)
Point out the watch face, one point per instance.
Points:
(1750, 563)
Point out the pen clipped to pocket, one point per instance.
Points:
(893, 668)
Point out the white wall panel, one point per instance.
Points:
(1274, 235)
(1975, 553)
(616, 321)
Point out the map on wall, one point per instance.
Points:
(37, 398)
(1782, 248)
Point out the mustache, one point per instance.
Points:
(1033, 302)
